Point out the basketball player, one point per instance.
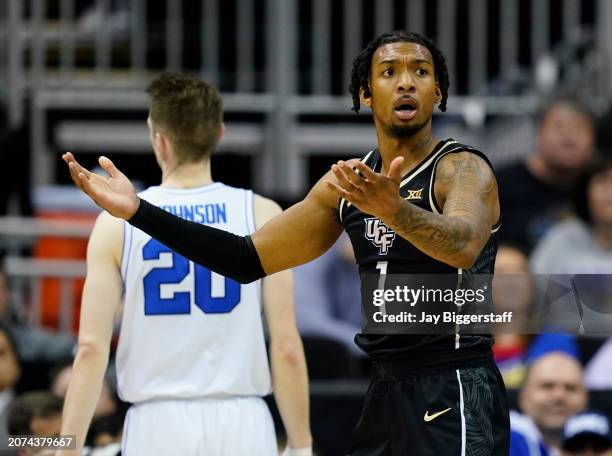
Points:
(191, 357)
(416, 204)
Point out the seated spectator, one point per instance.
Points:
(582, 248)
(553, 391)
(513, 292)
(583, 245)
(34, 344)
(327, 296)
(104, 436)
(36, 414)
(544, 344)
(536, 193)
(60, 379)
(10, 369)
(587, 434)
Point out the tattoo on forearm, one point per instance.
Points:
(443, 235)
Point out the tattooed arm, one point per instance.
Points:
(465, 188)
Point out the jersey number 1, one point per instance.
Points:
(179, 303)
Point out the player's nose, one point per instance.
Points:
(405, 82)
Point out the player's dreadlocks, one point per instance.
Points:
(360, 75)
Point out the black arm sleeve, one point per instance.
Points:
(225, 253)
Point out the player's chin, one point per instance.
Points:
(404, 129)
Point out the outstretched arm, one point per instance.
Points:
(465, 187)
(289, 373)
(296, 236)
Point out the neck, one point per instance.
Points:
(554, 176)
(413, 148)
(187, 175)
(551, 437)
(603, 235)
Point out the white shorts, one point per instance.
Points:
(240, 426)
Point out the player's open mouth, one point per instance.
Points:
(406, 108)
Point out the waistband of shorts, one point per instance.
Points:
(196, 399)
(399, 369)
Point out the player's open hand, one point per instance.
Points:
(371, 192)
(114, 193)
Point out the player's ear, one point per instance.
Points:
(438, 97)
(158, 140)
(365, 100)
(163, 144)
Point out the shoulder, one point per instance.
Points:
(147, 192)
(521, 445)
(106, 238)
(571, 231)
(571, 228)
(265, 205)
(553, 247)
(523, 426)
(463, 166)
(265, 209)
(525, 439)
(107, 224)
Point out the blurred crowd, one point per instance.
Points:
(557, 219)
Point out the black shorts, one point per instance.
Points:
(455, 412)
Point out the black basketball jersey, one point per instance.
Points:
(379, 250)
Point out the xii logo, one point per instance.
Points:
(415, 194)
(380, 235)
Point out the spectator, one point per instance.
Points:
(60, 379)
(553, 391)
(582, 246)
(36, 414)
(587, 434)
(327, 296)
(34, 344)
(15, 179)
(537, 193)
(10, 369)
(104, 437)
(513, 292)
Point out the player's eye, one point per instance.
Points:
(422, 72)
(388, 72)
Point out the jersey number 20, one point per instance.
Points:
(180, 301)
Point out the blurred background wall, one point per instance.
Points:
(74, 73)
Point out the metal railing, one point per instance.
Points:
(27, 273)
(284, 59)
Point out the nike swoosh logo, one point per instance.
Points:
(427, 418)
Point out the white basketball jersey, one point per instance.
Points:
(188, 332)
